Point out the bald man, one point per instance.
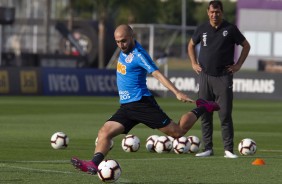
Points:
(137, 103)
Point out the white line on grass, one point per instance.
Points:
(279, 151)
(39, 161)
(148, 159)
(51, 171)
(67, 161)
(5, 164)
(32, 169)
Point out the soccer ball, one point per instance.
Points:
(59, 140)
(150, 143)
(181, 145)
(109, 171)
(171, 139)
(112, 143)
(163, 144)
(195, 144)
(130, 143)
(247, 147)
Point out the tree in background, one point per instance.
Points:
(170, 12)
(83, 9)
(147, 11)
(136, 11)
(154, 11)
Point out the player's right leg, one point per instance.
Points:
(177, 130)
(187, 120)
(210, 106)
(108, 131)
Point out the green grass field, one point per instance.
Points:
(26, 156)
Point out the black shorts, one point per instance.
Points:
(146, 111)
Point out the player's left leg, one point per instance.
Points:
(108, 131)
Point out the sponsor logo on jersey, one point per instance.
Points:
(121, 68)
(129, 58)
(205, 35)
(124, 95)
(225, 33)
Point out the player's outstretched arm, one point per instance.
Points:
(168, 84)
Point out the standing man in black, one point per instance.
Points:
(216, 66)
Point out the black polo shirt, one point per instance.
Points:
(217, 46)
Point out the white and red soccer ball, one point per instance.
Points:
(109, 171)
(181, 145)
(247, 146)
(111, 146)
(59, 140)
(195, 143)
(130, 143)
(150, 143)
(163, 144)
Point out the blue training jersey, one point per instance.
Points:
(132, 70)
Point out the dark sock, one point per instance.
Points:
(199, 111)
(98, 158)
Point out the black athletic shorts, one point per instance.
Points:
(146, 111)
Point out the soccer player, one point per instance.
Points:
(137, 103)
(216, 67)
